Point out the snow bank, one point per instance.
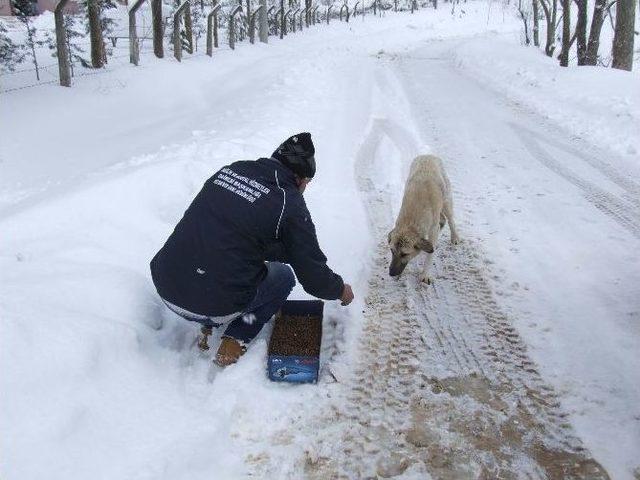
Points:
(599, 105)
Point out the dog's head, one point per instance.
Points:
(405, 245)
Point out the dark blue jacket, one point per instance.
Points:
(248, 212)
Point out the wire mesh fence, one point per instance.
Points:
(117, 40)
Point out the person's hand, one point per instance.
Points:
(347, 295)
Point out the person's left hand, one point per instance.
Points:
(347, 295)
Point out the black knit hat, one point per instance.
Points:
(297, 153)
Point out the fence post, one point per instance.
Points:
(134, 48)
(272, 20)
(344, 7)
(252, 23)
(183, 10)
(302, 14)
(283, 22)
(329, 13)
(287, 14)
(232, 27)
(252, 28)
(188, 26)
(278, 21)
(96, 40)
(264, 22)
(314, 15)
(61, 45)
(158, 30)
(212, 25)
(293, 19)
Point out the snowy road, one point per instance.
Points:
(444, 383)
(559, 218)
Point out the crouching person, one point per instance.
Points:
(225, 264)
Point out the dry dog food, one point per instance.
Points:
(296, 335)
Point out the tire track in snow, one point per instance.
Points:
(443, 383)
(630, 187)
(625, 214)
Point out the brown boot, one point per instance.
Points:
(229, 351)
(203, 339)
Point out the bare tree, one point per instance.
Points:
(591, 56)
(623, 37)
(581, 31)
(566, 33)
(525, 14)
(536, 23)
(550, 9)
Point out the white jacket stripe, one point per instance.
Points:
(284, 203)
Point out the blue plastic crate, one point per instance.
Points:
(295, 368)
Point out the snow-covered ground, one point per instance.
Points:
(100, 381)
(599, 105)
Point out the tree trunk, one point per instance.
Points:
(591, 57)
(536, 24)
(550, 22)
(554, 24)
(95, 33)
(623, 36)
(566, 33)
(158, 28)
(581, 31)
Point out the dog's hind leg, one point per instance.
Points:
(443, 220)
(447, 210)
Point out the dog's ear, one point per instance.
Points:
(425, 245)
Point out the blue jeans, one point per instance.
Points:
(272, 293)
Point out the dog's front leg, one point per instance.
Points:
(424, 276)
(433, 238)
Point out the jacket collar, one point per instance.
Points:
(285, 175)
